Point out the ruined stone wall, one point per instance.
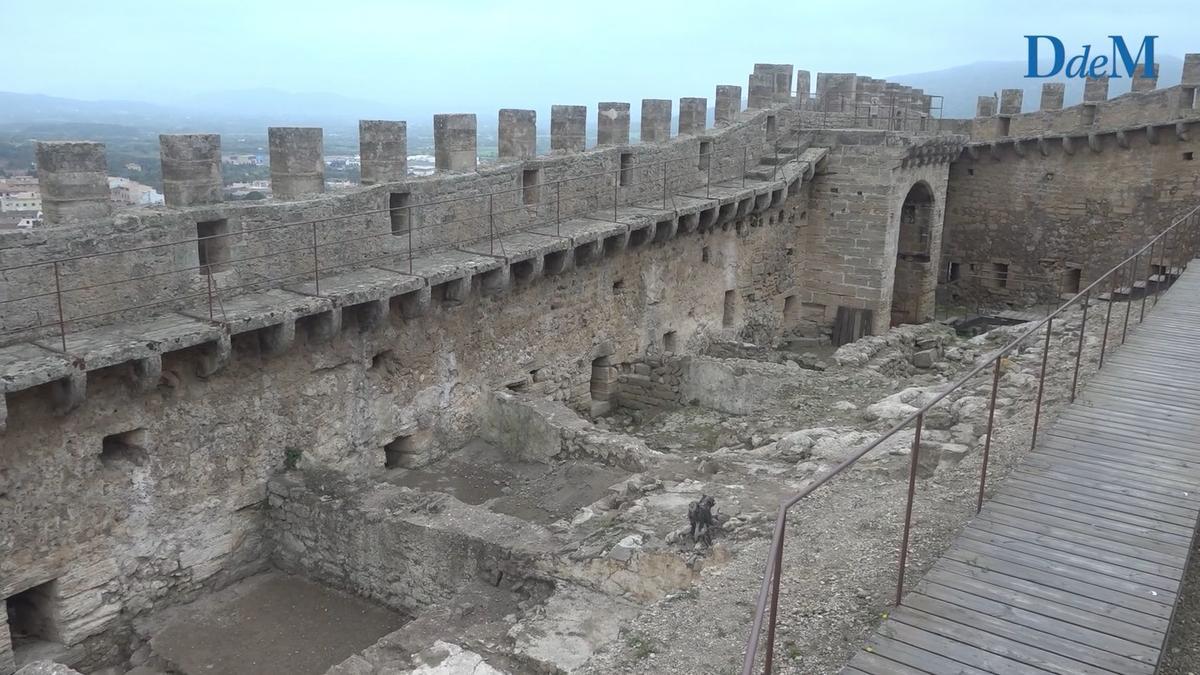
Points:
(1033, 212)
(173, 507)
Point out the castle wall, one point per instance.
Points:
(172, 508)
(1080, 202)
(849, 235)
(154, 263)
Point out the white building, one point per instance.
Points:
(21, 201)
(132, 193)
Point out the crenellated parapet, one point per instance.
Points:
(1143, 104)
(198, 271)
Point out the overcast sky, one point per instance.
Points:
(470, 54)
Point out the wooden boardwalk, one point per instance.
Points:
(1075, 563)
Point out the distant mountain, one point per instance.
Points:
(961, 85)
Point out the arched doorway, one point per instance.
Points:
(913, 288)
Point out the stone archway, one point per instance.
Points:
(912, 289)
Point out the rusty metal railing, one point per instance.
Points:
(1181, 236)
(318, 238)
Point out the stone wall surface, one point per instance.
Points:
(1064, 205)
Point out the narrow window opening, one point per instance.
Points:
(791, 309)
(770, 125)
(531, 180)
(212, 245)
(1072, 280)
(1189, 156)
(704, 254)
(970, 172)
(618, 286)
(705, 154)
(602, 385)
(997, 276)
(954, 272)
(400, 212)
(626, 169)
(669, 341)
(1003, 125)
(128, 447)
(729, 308)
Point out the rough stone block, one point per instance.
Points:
(1052, 96)
(761, 91)
(612, 123)
(985, 106)
(728, 105)
(191, 168)
(73, 181)
(297, 161)
(693, 115)
(1191, 70)
(656, 120)
(517, 134)
(454, 142)
(1142, 82)
(568, 128)
(1095, 89)
(383, 151)
(1010, 101)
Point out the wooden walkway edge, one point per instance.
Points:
(1076, 562)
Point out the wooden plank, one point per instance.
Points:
(1091, 562)
(1171, 552)
(1109, 579)
(1100, 523)
(1030, 656)
(1117, 483)
(1179, 488)
(1039, 604)
(952, 649)
(1069, 584)
(919, 658)
(1040, 633)
(1101, 502)
(873, 663)
(1071, 542)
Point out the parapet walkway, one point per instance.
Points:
(1075, 564)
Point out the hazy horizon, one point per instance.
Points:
(473, 55)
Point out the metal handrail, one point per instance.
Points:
(705, 162)
(1184, 239)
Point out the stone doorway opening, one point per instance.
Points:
(913, 287)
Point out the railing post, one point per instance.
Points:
(558, 207)
(62, 321)
(708, 165)
(912, 488)
(316, 265)
(1079, 350)
(1037, 404)
(1164, 264)
(1112, 291)
(987, 438)
(491, 225)
(616, 187)
(1149, 273)
(208, 280)
(1129, 296)
(769, 657)
(412, 223)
